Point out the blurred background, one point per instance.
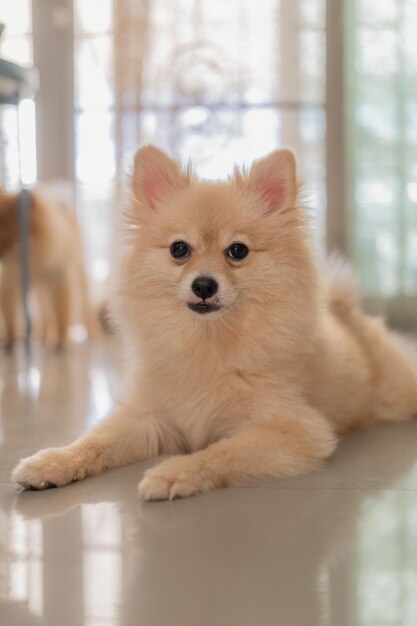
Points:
(225, 82)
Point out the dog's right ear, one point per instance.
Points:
(274, 180)
(155, 175)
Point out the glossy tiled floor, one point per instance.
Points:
(336, 548)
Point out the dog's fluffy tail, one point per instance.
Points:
(343, 285)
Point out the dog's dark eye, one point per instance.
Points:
(180, 249)
(237, 251)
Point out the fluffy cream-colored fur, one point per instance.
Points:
(265, 385)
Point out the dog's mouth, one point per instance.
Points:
(203, 307)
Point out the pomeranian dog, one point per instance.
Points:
(57, 272)
(244, 361)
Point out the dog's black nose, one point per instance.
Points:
(204, 287)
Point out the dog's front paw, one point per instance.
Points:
(46, 469)
(178, 477)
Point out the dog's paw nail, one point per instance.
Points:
(49, 485)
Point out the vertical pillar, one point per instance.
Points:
(337, 204)
(53, 56)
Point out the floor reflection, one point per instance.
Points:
(25, 562)
(336, 548)
(387, 560)
(29, 381)
(102, 563)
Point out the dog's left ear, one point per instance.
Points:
(155, 175)
(274, 179)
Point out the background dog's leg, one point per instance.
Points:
(120, 439)
(89, 317)
(286, 445)
(62, 304)
(9, 285)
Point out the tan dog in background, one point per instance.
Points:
(57, 271)
(244, 361)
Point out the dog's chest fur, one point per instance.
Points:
(204, 402)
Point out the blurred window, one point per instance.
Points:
(382, 133)
(95, 152)
(16, 45)
(218, 82)
(16, 41)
